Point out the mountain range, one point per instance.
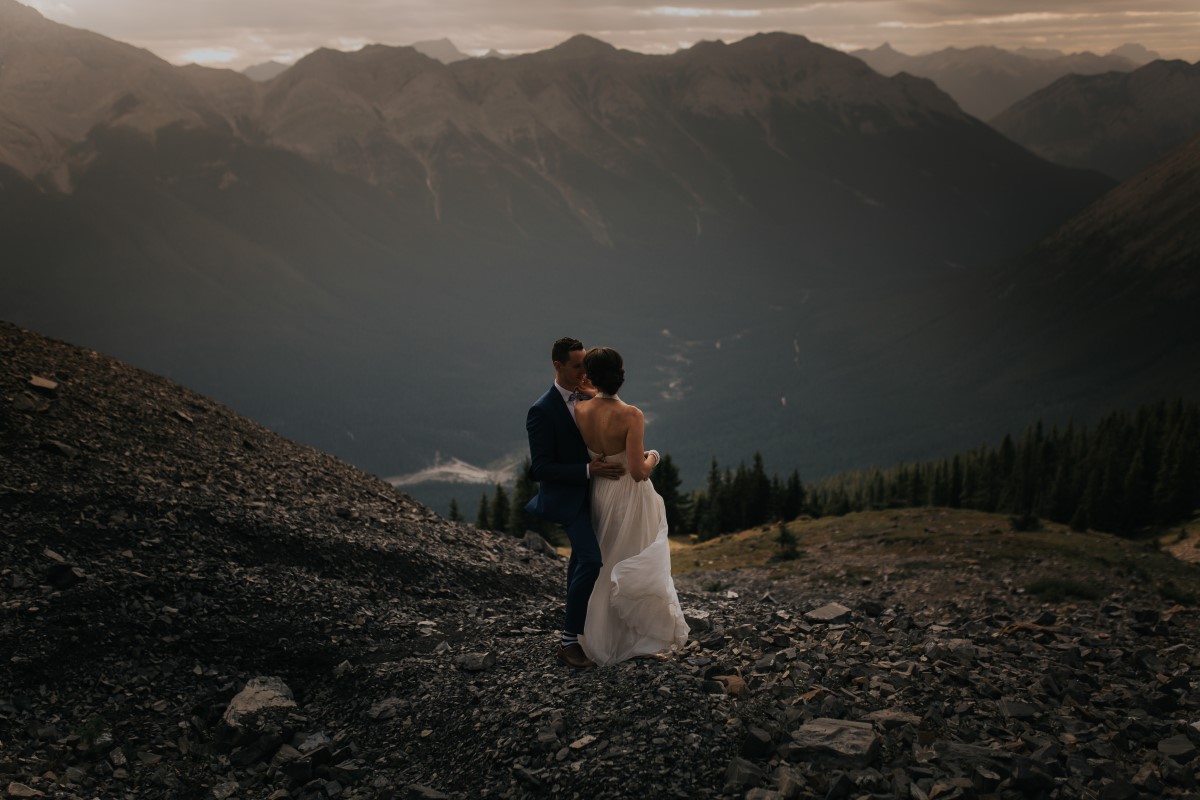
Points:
(1117, 123)
(986, 80)
(441, 49)
(372, 251)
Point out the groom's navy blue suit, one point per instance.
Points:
(558, 462)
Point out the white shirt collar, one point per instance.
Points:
(566, 393)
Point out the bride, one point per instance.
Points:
(633, 610)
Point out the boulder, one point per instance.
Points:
(261, 694)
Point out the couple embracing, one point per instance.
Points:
(589, 459)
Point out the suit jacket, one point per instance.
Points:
(558, 459)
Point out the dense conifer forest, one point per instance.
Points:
(1133, 471)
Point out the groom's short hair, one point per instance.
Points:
(561, 350)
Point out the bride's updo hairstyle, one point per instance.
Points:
(605, 369)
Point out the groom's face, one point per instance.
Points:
(570, 374)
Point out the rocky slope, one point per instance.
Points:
(195, 607)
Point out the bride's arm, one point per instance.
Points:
(640, 462)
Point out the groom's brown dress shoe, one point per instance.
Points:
(573, 656)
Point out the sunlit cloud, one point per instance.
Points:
(343, 43)
(210, 55)
(678, 11)
(1006, 19)
(56, 11)
(1160, 13)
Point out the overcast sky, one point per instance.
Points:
(237, 33)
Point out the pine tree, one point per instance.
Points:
(711, 519)
(483, 519)
(500, 510)
(786, 541)
(794, 499)
(758, 490)
(524, 490)
(454, 515)
(956, 483)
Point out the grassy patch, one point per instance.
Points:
(949, 545)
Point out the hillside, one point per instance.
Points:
(986, 80)
(1116, 123)
(161, 553)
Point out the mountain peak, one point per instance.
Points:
(265, 71)
(1136, 53)
(441, 49)
(773, 39)
(582, 46)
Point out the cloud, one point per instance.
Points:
(259, 30)
(676, 11)
(60, 12)
(211, 55)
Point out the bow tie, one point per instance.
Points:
(578, 396)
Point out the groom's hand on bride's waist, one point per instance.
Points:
(605, 469)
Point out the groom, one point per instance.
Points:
(559, 462)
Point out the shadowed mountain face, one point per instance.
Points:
(1118, 123)
(987, 80)
(373, 251)
(1109, 300)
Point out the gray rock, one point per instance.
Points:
(831, 614)
(46, 385)
(225, 790)
(789, 782)
(856, 741)
(260, 694)
(763, 794)
(1179, 747)
(1016, 709)
(757, 743)
(535, 542)
(416, 791)
(476, 662)
(386, 708)
(60, 448)
(743, 774)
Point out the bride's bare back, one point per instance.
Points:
(610, 426)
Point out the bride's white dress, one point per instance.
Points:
(633, 610)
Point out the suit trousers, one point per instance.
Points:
(582, 569)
